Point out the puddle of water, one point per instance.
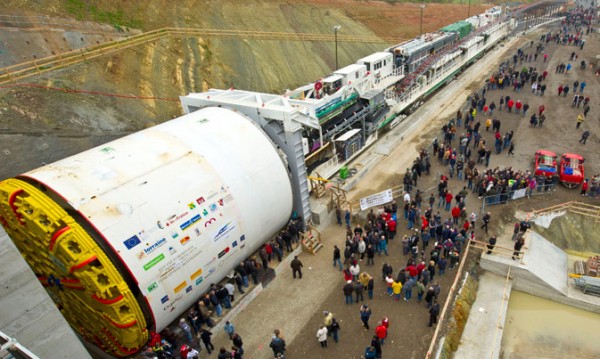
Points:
(540, 328)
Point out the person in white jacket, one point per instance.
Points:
(354, 270)
(322, 336)
(193, 354)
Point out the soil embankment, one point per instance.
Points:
(41, 126)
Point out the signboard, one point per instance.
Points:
(520, 193)
(377, 199)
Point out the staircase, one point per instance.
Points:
(311, 240)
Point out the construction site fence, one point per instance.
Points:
(585, 209)
(504, 198)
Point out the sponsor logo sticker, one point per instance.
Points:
(189, 222)
(175, 218)
(199, 280)
(155, 246)
(164, 299)
(191, 205)
(180, 287)
(188, 289)
(200, 200)
(209, 221)
(132, 242)
(211, 271)
(154, 261)
(213, 207)
(152, 287)
(196, 274)
(223, 231)
(184, 240)
(171, 306)
(223, 252)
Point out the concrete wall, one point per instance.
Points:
(542, 272)
(28, 314)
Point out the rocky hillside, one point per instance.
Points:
(170, 67)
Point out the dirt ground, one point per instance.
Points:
(409, 335)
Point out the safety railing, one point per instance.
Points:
(10, 348)
(449, 304)
(502, 198)
(580, 208)
(22, 70)
(498, 250)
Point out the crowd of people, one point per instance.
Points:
(436, 224)
(193, 332)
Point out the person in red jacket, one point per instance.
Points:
(518, 106)
(424, 223)
(381, 332)
(391, 228)
(466, 225)
(420, 268)
(584, 187)
(455, 214)
(510, 105)
(449, 198)
(541, 110)
(412, 270)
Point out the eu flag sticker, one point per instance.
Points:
(132, 242)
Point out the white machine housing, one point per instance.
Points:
(181, 203)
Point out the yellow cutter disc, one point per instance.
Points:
(78, 275)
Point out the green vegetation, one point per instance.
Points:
(207, 52)
(83, 11)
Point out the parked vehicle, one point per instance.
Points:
(545, 163)
(571, 170)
